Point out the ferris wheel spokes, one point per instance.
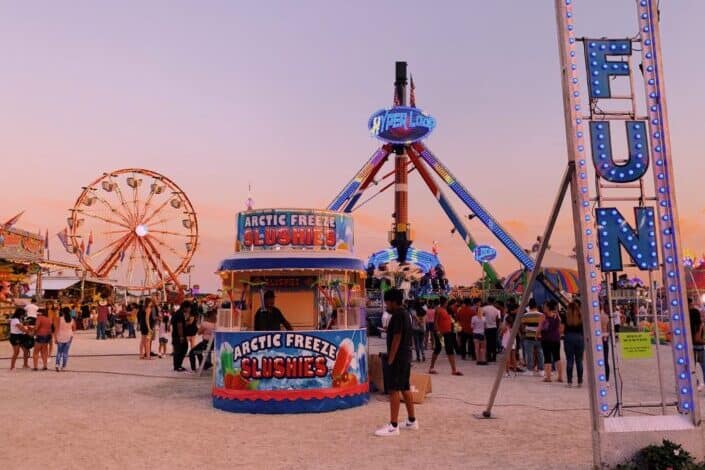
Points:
(104, 219)
(95, 254)
(109, 206)
(171, 272)
(114, 256)
(169, 248)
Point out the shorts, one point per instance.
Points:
(551, 351)
(28, 341)
(16, 339)
(399, 375)
(451, 344)
(43, 339)
(163, 340)
(478, 336)
(430, 327)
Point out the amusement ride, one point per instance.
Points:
(135, 226)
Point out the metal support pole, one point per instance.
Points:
(612, 339)
(565, 182)
(657, 335)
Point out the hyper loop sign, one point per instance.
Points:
(401, 125)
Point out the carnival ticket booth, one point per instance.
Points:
(304, 257)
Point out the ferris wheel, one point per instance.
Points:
(134, 226)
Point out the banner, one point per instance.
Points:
(285, 283)
(270, 229)
(20, 244)
(290, 371)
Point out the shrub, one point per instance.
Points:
(664, 457)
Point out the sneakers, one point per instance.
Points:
(387, 430)
(409, 425)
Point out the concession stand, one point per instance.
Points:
(305, 257)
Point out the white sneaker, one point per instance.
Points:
(409, 425)
(387, 430)
(527, 373)
(542, 374)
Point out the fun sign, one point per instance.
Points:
(649, 235)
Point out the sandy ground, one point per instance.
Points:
(119, 412)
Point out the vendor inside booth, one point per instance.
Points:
(289, 338)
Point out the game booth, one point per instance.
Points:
(20, 256)
(306, 258)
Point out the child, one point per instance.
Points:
(511, 363)
(164, 330)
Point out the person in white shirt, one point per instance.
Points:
(18, 332)
(492, 316)
(642, 314)
(617, 319)
(386, 317)
(31, 308)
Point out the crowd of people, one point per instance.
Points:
(34, 331)
(477, 330)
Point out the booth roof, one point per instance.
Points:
(291, 260)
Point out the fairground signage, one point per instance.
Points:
(647, 233)
(485, 253)
(20, 245)
(401, 125)
(270, 229)
(308, 370)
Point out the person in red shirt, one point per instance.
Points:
(464, 317)
(103, 313)
(444, 326)
(42, 338)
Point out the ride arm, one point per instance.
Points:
(354, 189)
(449, 211)
(481, 213)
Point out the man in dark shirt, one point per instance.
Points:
(178, 335)
(270, 318)
(399, 336)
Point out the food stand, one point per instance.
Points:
(306, 258)
(20, 255)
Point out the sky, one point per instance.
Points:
(220, 94)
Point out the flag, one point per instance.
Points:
(90, 243)
(63, 237)
(46, 239)
(412, 94)
(13, 220)
(434, 248)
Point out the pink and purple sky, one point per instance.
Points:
(217, 94)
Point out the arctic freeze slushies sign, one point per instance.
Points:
(314, 369)
(294, 229)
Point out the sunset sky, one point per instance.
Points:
(216, 94)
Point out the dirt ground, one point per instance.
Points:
(113, 411)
